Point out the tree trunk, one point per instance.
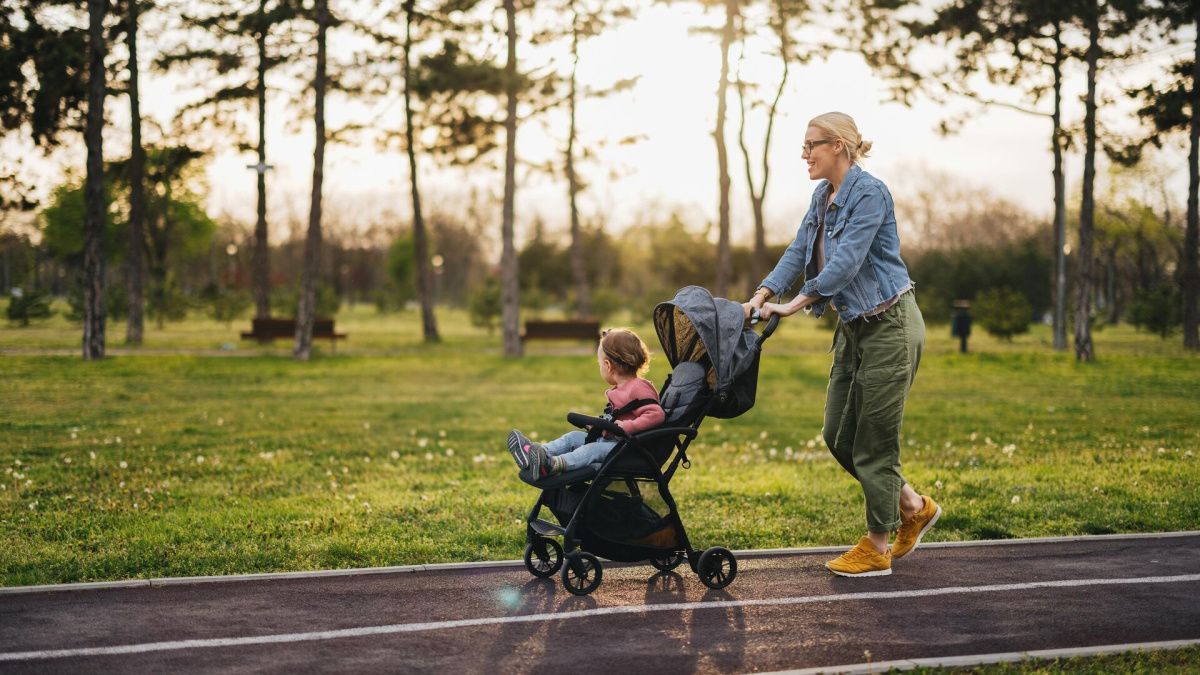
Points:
(723, 271)
(578, 262)
(1084, 350)
(510, 291)
(420, 240)
(95, 208)
(262, 251)
(1060, 204)
(134, 259)
(1190, 267)
(312, 246)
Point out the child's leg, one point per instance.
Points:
(565, 443)
(589, 453)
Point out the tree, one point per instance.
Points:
(1171, 109)
(1012, 44)
(724, 263)
(782, 15)
(420, 237)
(312, 248)
(509, 288)
(134, 261)
(1003, 312)
(238, 54)
(93, 256)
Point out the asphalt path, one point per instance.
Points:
(784, 611)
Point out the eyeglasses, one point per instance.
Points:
(809, 145)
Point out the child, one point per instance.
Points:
(622, 357)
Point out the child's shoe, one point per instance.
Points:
(539, 462)
(517, 444)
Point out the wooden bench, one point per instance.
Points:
(266, 330)
(573, 329)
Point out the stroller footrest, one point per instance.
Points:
(547, 529)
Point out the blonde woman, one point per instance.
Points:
(848, 252)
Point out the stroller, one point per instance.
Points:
(621, 509)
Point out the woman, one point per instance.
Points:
(848, 251)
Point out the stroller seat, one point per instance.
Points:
(682, 398)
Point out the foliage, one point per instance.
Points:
(1158, 309)
(227, 304)
(1003, 312)
(116, 302)
(484, 304)
(943, 276)
(28, 304)
(285, 300)
(402, 270)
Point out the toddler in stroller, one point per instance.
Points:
(617, 505)
(632, 405)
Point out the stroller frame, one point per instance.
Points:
(630, 459)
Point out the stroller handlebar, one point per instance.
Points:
(582, 421)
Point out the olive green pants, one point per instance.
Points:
(874, 364)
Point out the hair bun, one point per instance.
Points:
(864, 147)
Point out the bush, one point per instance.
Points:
(116, 303)
(285, 302)
(1003, 312)
(26, 305)
(484, 305)
(1157, 309)
(227, 304)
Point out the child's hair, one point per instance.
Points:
(626, 350)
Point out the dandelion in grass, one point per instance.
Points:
(442, 433)
(66, 460)
(762, 434)
(137, 431)
(449, 452)
(74, 435)
(938, 484)
(366, 426)
(199, 459)
(32, 505)
(1016, 499)
(422, 442)
(123, 464)
(394, 454)
(428, 456)
(480, 458)
(810, 445)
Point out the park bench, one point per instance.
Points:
(266, 330)
(572, 329)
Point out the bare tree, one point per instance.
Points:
(510, 285)
(93, 254)
(306, 311)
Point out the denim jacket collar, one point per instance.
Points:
(839, 200)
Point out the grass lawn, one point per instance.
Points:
(196, 454)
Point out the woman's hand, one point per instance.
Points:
(770, 309)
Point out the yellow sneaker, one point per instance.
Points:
(862, 561)
(911, 530)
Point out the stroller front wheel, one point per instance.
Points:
(581, 574)
(717, 567)
(543, 557)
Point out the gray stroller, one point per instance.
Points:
(621, 509)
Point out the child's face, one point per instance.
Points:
(606, 367)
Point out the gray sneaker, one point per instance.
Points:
(517, 444)
(539, 462)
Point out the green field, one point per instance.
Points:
(197, 454)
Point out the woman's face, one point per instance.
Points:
(821, 154)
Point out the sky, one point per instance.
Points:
(673, 167)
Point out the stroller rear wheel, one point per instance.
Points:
(668, 561)
(543, 557)
(717, 567)
(581, 574)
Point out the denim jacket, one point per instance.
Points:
(862, 249)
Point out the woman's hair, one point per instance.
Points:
(841, 127)
(626, 350)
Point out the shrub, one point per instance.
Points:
(227, 305)
(1158, 309)
(26, 305)
(484, 305)
(1003, 312)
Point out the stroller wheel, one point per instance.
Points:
(669, 561)
(581, 574)
(543, 557)
(717, 567)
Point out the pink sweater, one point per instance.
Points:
(640, 419)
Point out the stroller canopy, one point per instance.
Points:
(696, 327)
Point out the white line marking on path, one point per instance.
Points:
(984, 659)
(555, 616)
